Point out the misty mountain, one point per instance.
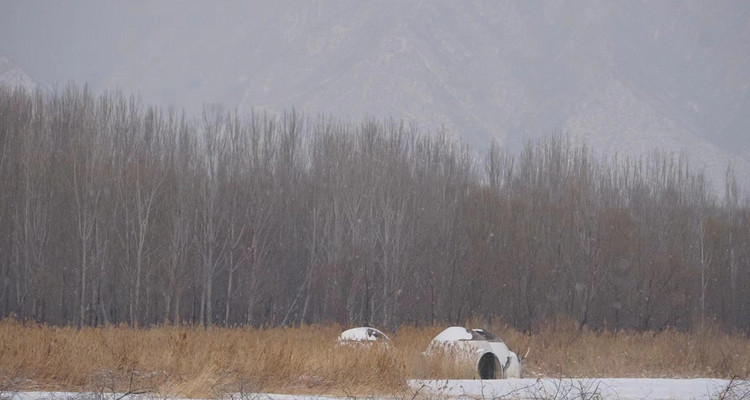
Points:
(12, 75)
(626, 77)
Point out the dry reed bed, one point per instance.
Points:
(197, 362)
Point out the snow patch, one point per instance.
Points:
(453, 334)
(362, 334)
(579, 388)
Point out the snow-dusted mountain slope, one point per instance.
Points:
(629, 76)
(12, 75)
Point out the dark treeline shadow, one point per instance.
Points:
(116, 212)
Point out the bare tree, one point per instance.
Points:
(280, 220)
(33, 207)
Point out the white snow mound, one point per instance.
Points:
(453, 334)
(362, 334)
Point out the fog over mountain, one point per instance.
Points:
(12, 75)
(627, 77)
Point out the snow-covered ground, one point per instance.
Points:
(557, 389)
(606, 388)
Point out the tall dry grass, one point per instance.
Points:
(197, 362)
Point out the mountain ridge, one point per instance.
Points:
(14, 76)
(626, 76)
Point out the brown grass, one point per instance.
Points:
(197, 362)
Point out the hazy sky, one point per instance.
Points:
(85, 41)
(61, 40)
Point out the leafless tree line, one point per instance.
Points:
(115, 212)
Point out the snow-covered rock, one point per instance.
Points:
(362, 334)
(483, 350)
(453, 334)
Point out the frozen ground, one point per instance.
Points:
(557, 389)
(607, 388)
